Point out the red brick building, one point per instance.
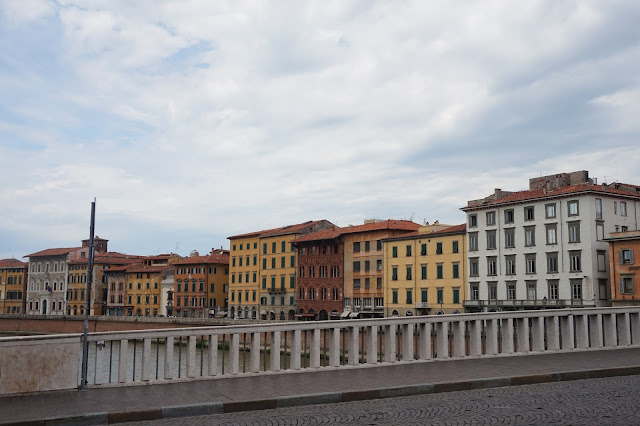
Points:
(320, 274)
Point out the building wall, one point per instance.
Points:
(625, 268)
(320, 279)
(419, 294)
(592, 277)
(243, 248)
(144, 291)
(218, 282)
(278, 270)
(117, 293)
(13, 289)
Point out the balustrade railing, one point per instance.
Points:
(161, 355)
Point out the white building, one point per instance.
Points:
(544, 247)
(47, 285)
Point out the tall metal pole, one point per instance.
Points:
(85, 343)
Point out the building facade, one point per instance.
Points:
(424, 271)
(545, 247)
(199, 286)
(13, 286)
(624, 249)
(320, 275)
(363, 265)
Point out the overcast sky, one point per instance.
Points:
(191, 121)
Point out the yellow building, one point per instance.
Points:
(13, 286)
(425, 271)
(143, 284)
(244, 269)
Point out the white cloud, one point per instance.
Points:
(215, 118)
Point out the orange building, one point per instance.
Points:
(624, 249)
(363, 265)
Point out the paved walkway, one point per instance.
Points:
(245, 392)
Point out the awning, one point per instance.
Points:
(345, 314)
(305, 315)
(263, 312)
(354, 315)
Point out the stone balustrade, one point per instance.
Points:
(156, 356)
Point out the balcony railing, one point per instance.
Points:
(157, 356)
(273, 290)
(533, 303)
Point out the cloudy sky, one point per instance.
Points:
(190, 121)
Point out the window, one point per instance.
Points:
(626, 285)
(438, 248)
(550, 211)
(439, 271)
(510, 262)
(283, 246)
(440, 295)
(379, 282)
(530, 236)
(456, 270)
(423, 295)
(508, 216)
(491, 240)
(625, 257)
(356, 266)
(553, 289)
(531, 290)
(255, 262)
(493, 290)
(423, 250)
(576, 289)
(367, 245)
(273, 247)
(602, 260)
(531, 263)
(378, 245)
(423, 272)
(409, 296)
(473, 220)
(623, 208)
(394, 251)
(282, 262)
(394, 295)
(615, 207)
(273, 262)
(574, 232)
(475, 293)
(492, 266)
(529, 213)
(575, 263)
(598, 208)
(511, 290)
(367, 283)
(473, 267)
(264, 248)
(264, 263)
(510, 238)
(292, 262)
(292, 281)
(408, 251)
(408, 272)
(394, 273)
(552, 233)
(552, 263)
(356, 284)
(356, 246)
(491, 218)
(379, 265)
(456, 295)
(573, 208)
(473, 241)
(454, 247)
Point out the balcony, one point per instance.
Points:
(526, 304)
(274, 290)
(422, 305)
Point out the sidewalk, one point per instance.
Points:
(243, 393)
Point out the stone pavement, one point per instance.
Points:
(327, 385)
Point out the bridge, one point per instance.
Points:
(242, 367)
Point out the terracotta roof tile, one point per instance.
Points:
(456, 229)
(53, 252)
(142, 268)
(325, 234)
(385, 224)
(122, 268)
(528, 195)
(208, 259)
(112, 258)
(12, 263)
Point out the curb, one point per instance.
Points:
(218, 407)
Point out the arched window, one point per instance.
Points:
(312, 293)
(335, 294)
(323, 293)
(301, 293)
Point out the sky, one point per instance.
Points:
(191, 121)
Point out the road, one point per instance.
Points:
(608, 401)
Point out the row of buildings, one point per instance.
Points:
(566, 241)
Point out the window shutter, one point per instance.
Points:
(631, 253)
(621, 282)
(620, 257)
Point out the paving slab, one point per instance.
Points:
(256, 392)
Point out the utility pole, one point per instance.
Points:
(85, 343)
